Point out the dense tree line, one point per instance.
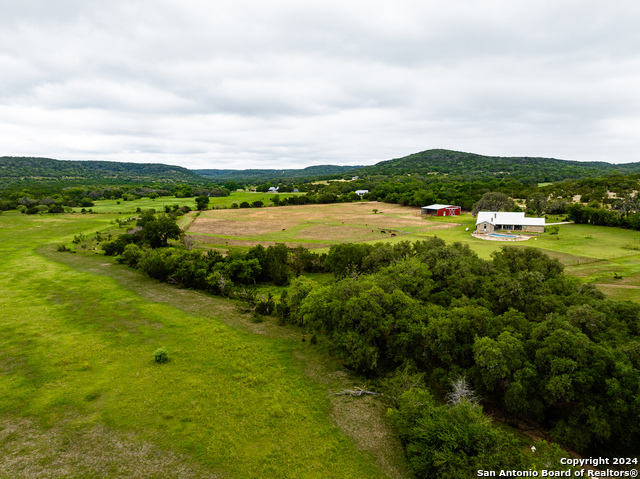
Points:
(537, 342)
(625, 216)
(145, 247)
(235, 273)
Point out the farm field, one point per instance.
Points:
(608, 257)
(80, 394)
(312, 226)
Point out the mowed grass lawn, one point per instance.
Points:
(77, 371)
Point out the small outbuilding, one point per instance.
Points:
(441, 210)
(361, 192)
(490, 221)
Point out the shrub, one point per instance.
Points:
(161, 355)
(77, 239)
(132, 255)
(56, 209)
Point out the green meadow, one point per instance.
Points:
(123, 207)
(81, 396)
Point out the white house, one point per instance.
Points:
(361, 192)
(489, 221)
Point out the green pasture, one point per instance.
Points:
(76, 341)
(123, 207)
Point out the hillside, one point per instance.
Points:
(525, 169)
(50, 169)
(317, 171)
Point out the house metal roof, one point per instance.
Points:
(502, 218)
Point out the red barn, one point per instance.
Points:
(441, 210)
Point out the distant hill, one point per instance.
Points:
(443, 162)
(471, 165)
(46, 169)
(21, 171)
(256, 174)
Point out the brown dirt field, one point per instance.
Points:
(341, 222)
(354, 212)
(331, 232)
(242, 227)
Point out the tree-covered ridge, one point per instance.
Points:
(526, 169)
(461, 165)
(317, 171)
(47, 168)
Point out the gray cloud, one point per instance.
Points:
(287, 84)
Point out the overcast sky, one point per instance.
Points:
(288, 84)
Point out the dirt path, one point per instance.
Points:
(621, 286)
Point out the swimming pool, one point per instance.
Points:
(503, 235)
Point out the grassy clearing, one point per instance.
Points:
(310, 225)
(76, 346)
(128, 207)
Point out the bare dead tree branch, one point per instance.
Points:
(356, 392)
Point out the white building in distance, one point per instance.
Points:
(490, 221)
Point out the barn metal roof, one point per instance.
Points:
(437, 207)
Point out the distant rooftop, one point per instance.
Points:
(437, 206)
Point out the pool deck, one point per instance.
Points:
(488, 237)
